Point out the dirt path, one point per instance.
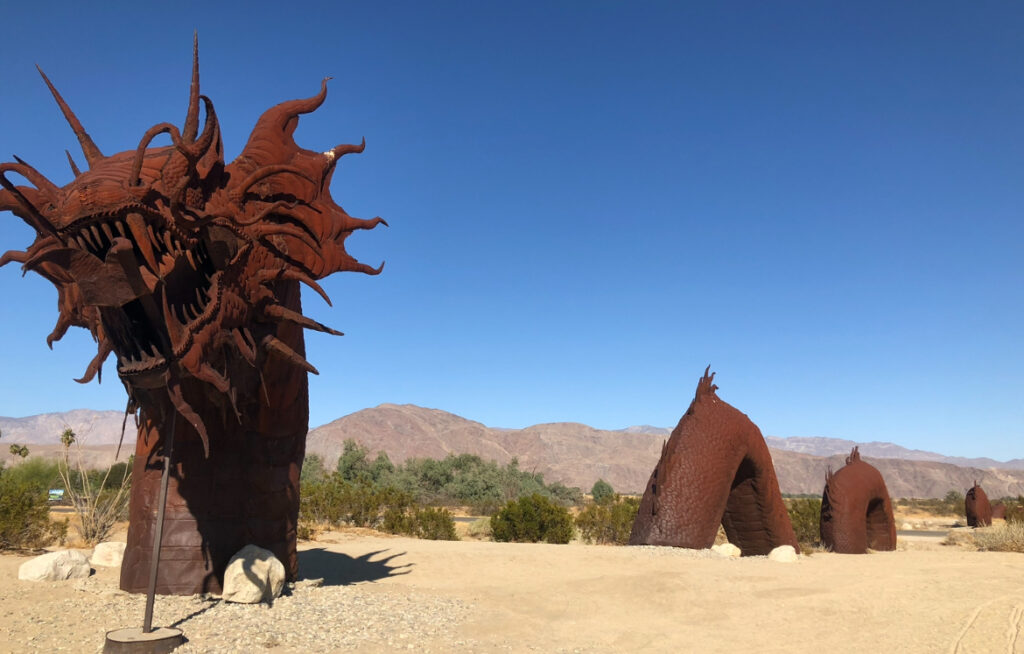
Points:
(583, 598)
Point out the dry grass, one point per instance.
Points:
(1008, 537)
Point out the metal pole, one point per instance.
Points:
(147, 622)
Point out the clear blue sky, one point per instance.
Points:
(591, 201)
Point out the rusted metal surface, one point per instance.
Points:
(188, 270)
(856, 512)
(715, 469)
(977, 507)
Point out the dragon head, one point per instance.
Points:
(171, 258)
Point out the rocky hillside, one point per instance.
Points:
(572, 453)
(578, 455)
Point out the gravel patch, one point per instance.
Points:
(308, 617)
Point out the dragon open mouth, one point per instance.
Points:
(177, 293)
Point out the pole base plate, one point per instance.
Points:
(132, 640)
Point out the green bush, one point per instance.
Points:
(25, 516)
(805, 514)
(532, 519)
(36, 472)
(434, 524)
(602, 491)
(609, 522)
(335, 501)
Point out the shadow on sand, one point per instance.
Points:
(337, 569)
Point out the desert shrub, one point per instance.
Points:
(428, 523)
(25, 515)
(566, 495)
(435, 524)
(805, 514)
(468, 480)
(313, 470)
(335, 501)
(36, 472)
(532, 519)
(609, 522)
(950, 505)
(98, 499)
(602, 491)
(1015, 514)
(1004, 538)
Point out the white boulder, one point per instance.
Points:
(108, 554)
(55, 566)
(253, 575)
(726, 549)
(783, 554)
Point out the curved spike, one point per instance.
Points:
(192, 117)
(274, 208)
(140, 151)
(209, 128)
(13, 255)
(248, 352)
(31, 214)
(209, 374)
(308, 281)
(187, 412)
(175, 331)
(264, 231)
(283, 116)
(341, 150)
(265, 276)
(369, 270)
(358, 223)
(267, 171)
(51, 254)
(74, 168)
(280, 313)
(37, 178)
(92, 153)
(273, 344)
(96, 364)
(61, 328)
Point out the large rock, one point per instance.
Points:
(108, 555)
(55, 566)
(253, 575)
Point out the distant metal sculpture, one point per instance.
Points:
(715, 469)
(188, 269)
(977, 507)
(856, 512)
(999, 511)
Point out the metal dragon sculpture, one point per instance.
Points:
(856, 511)
(188, 270)
(715, 469)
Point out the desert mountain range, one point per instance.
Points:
(572, 453)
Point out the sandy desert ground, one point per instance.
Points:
(483, 596)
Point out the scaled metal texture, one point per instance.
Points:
(188, 270)
(977, 507)
(715, 469)
(856, 512)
